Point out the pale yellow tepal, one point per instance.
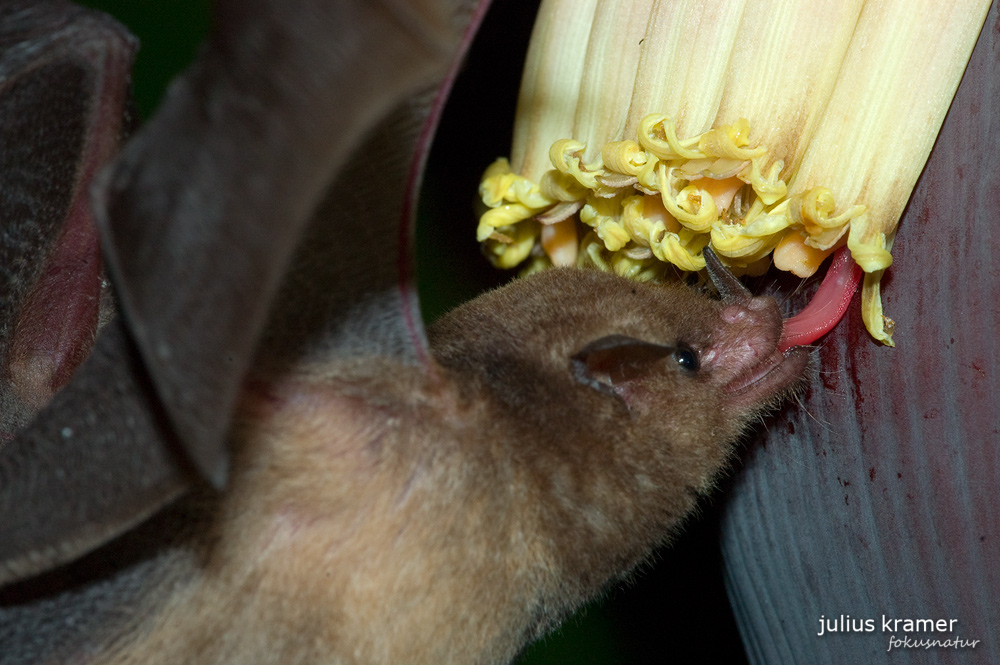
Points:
(775, 131)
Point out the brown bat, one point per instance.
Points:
(367, 496)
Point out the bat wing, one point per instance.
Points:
(88, 461)
(879, 496)
(62, 94)
(296, 138)
(289, 112)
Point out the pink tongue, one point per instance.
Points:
(827, 307)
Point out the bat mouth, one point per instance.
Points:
(775, 374)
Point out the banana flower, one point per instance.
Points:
(778, 131)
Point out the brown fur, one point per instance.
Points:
(382, 514)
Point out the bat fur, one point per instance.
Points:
(378, 513)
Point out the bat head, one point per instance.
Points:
(577, 352)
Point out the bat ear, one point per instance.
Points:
(609, 363)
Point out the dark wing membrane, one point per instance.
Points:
(349, 291)
(95, 462)
(879, 497)
(96, 459)
(203, 211)
(62, 92)
(200, 215)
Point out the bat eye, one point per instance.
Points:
(686, 357)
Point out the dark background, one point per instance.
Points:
(676, 607)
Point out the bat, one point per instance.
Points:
(273, 462)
